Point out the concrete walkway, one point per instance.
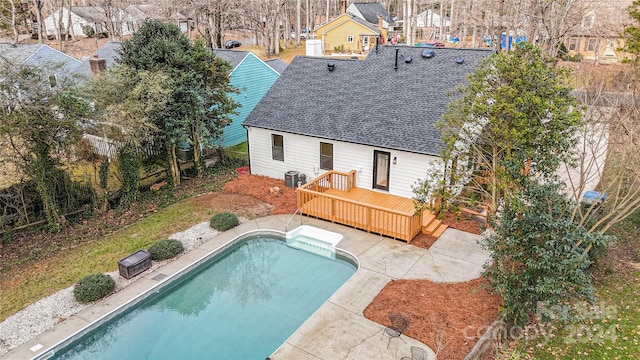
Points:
(338, 330)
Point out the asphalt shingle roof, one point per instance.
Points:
(107, 51)
(276, 64)
(39, 55)
(233, 57)
(367, 101)
(370, 26)
(370, 12)
(90, 13)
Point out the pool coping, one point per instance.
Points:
(380, 260)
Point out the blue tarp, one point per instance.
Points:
(518, 39)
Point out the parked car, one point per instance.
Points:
(431, 44)
(303, 34)
(230, 44)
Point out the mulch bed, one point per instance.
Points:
(462, 222)
(448, 317)
(269, 190)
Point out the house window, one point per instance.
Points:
(611, 48)
(588, 21)
(326, 156)
(381, 167)
(573, 44)
(590, 45)
(277, 147)
(349, 39)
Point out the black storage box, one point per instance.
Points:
(134, 264)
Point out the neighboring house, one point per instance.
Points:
(94, 17)
(429, 23)
(102, 19)
(253, 77)
(135, 15)
(102, 59)
(107, 53)
(597, 37)
(376, 116)
(346, 34)
(39, 55)
(373, 13)
(181, 21)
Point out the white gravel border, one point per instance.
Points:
(44, 314)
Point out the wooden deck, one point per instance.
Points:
(334, 197)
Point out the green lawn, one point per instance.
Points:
(40, 267)
(240, 151)
(52, 274)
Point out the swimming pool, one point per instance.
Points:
(242, 303)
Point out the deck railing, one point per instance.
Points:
(332, 180)
(313, 201)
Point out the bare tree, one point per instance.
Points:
(69, 32)
(608, 159)
(9, 15)
(38, 4)
(298, 8)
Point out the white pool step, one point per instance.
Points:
(315, 240)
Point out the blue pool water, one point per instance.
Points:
(242, 304)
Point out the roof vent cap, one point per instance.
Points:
(407, 59)
(428, 54)
(331, 66)
(460, 61)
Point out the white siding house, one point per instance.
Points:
(302, 154)
(94, 17)
(378, 114)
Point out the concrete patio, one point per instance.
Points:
(338, 330)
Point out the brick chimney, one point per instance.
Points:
(343, 6)
(97, 65)
(382, 33)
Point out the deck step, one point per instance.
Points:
(427, 218)
(431, 227)
(440, 230)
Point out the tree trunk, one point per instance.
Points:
(298, 26)
(212, 26)
(174, 171)
(219, 28)
(442, 21)
(48, 203)
(14, 14)
(59, 26)
(197, 161)
(41, 26)
(70, 33)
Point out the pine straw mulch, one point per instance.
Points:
(269, 190)
(460, 222)
(448, 317)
